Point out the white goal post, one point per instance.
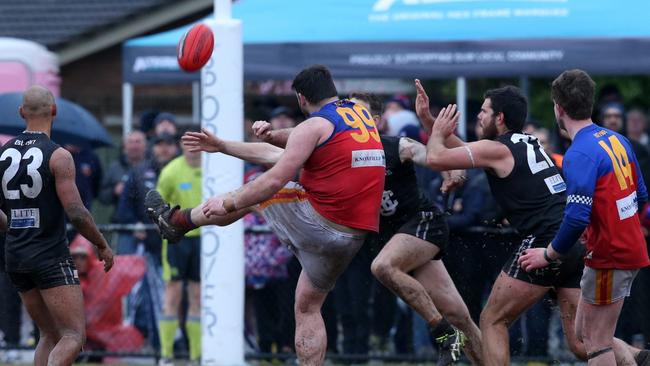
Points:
(222, 248)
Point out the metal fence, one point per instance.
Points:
(386, 329)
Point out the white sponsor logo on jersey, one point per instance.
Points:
(627, 206)
(25, 218)
(555, 184)
(366, 158)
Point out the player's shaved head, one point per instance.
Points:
(37, 102)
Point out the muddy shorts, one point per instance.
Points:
(563, 274)
(323, 251)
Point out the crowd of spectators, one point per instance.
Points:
(362, 317)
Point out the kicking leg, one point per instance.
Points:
(66, 307)
(174, 223)
(436, 280)
(39, 313)
(311, 338)
(508, 300)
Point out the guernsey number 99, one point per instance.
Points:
(359, 118)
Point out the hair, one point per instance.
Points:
(164, 116)
(510, 101)
(37, 102)
(574, 91)
(376, 106)
(636, 110)
(134, 132)
(315, 83)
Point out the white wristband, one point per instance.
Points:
(471, 156)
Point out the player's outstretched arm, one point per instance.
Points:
(265, 132)
(62, 167)
(301, 144)
(427, 119)
(481, 154)
(255, 152)
(411, 150)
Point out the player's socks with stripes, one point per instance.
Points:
(167, 327)
(183, 219)
(193, 328)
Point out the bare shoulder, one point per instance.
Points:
(316, 122)
(61, 162)
(314, 126)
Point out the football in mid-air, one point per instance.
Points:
(195, 48)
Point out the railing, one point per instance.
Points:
(150, 351)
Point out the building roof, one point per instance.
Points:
(55, 23)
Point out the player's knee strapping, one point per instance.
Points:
(599, 353)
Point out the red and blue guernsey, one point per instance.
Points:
(344, 176)
(605, 189)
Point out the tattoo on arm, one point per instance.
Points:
(62, 167)
(78, 215)
(83, 221)
(411, 150)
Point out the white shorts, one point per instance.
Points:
(606, 286)
(323, 251)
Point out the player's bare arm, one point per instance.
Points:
(264, 132)
(427, 119)
(411, 150)
(3, 222)
(62, 167)
(255, 152)
(480, 154)
(302, 142)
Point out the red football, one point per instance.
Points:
(195, 48)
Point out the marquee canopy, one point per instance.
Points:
(419, 38)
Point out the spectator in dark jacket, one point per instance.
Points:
(611, 117)
(133, 153)
(636, 125)
(130, 209)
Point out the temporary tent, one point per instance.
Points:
(418, 38)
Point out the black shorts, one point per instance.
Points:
(566, 274)
(60, 273)
(429, 225)
(184, 259)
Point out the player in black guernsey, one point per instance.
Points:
(530, 190)
(414, 235)
(415, 232)
(38, 188)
